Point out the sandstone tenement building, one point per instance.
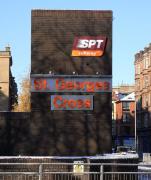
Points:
(143, 98)
(8, 87)
(5, 64)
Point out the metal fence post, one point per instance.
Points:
(101, 171)
(40, 172)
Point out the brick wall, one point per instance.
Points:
(70, 132)
(14, 133)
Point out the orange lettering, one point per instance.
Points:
(80, 103)
(87, 103)
(55, 102)
(40, 84)
(77, 85)
(106, 86)
(90, 86)
(60, 84)
(99, 85)
(72, 103)
(37, 84)
(69, 85)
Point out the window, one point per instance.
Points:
(138, 117)
(146, 81)
(149, 59)
(126, 105)
(150, 99)
(146, 120)
(126, 117)
(139, 103)
(146, 62)
(137, 69)
(138, 84)
(127, 130)
(145, 100)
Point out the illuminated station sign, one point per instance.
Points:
(47, 83)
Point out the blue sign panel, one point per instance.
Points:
(72, 102)
(71, 84)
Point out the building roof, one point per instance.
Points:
(130, 97)
(5, 52)
(124, 88)
(139, 55)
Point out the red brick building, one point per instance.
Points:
(125, 121)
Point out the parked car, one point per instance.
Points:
(125, 149)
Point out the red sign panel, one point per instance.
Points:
(89, 46)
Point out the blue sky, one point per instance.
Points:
(131, 30)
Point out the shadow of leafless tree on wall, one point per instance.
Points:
(69, 132)
(14, 133)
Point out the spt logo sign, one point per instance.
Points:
(89, 46)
